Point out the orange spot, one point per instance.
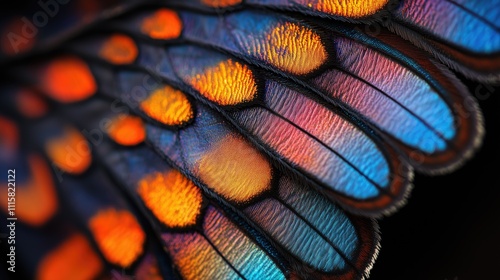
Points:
(168, 106)
(234, 169)
(70, 151)
(228, 83)
(14, 40)
(9, 135)
(172, 198)
(163, 24)
(291, 48)
(127, 130)
(73, 259)
(30, 104)
(68, 79)
(119, 49)
(220, 3)
(346, 8)
(118, 235)
(36, 199)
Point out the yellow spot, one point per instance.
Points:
(36, 199)
(220, 3)
(68, 79)
(346, 8)
(119, 49)
(73, 259)
(70, 151)
(163, 24)
(127, 130)
(118, 235)
(227, 83)
(30, 104)
(234, 169)
(172, 198)
(291, 48)
(168, 106)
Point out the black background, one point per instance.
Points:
(450, 227)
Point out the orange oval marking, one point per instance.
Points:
(163, 24)
(127, 130)
(346, 8)
(69, 151)
(228, 83)
(220, 3)
(168, 106)
(119, 49)
(292, 48)
(118, 235)
(30, 104)
(36, 199)
(68, 79)
(9, 135)
(234, 169)
(73, 259)
(172, 198)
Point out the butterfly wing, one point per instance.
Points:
(218, 139)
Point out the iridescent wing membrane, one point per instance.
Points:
(221, 139)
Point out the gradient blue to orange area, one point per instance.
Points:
(326, 217)
(457, 22)
(292, 232)
(275, 41)
(331, 129)
(425, 121)
(319, 162)
(195, 258)
(222, 251)
(315, 228)
(230, 242)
